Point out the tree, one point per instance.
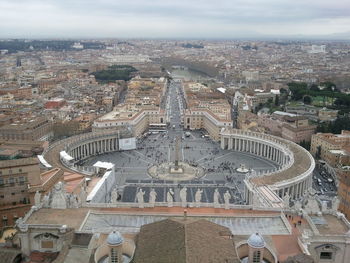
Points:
(277, 100)
(318, 152)
(283, 91)
(314, 87)
(307, 99)
(305, 144)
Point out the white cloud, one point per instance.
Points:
(164, 18)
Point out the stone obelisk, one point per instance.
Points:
(177, 147)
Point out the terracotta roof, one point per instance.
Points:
(179, 240)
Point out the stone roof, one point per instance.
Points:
(19, 162)
(182, 241)
(301, 164)
(301, 258)
(8, 254)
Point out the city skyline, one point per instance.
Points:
(180, 19)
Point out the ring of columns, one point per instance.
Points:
(295, 164)
(81, 147)
(293, 175)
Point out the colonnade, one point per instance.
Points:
(296, 189)
(261, 148)
(279, 151)
(93, 147)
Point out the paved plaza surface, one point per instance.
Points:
(195, 149)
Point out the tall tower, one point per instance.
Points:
(115, 243)
(256, 245)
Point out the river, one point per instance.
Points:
(188, 75)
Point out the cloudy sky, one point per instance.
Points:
(173, 18)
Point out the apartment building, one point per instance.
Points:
(344, 191)
(14, 178)
(33, 128)
(207, 109)
(136, 118)
(332, 148)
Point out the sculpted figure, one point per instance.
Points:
(139, 197)
(286, 200)
(114, 196)
(82, 196)
(335, 204)
(73, 201)
(216, 197)
(46, 201)
(183, 196)
(37, 198)
(170, 198)
(152, 197)
(198, 196)
(227, 197)
(59, 199)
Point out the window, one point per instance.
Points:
(256, 256)
(114, 255)
(326, 255)
(21, 180)
(12, 181)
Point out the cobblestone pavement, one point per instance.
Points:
(195, 149)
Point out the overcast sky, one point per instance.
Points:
(172, 19)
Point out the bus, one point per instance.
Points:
(157, 127)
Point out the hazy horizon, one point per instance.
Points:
(164, 19)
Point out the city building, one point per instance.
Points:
(141, 108)
(332, 148)
(344, 191)
(287, 125)
(35, 129)
(15, 176)
(206, 109)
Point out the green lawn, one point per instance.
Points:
(321, 101)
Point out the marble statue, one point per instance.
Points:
(312, 206)
(198, 197)
(183, 196)
(286, 200)
(227, 197)
(82, 196)
(73, 202)
(297, 206)
(324, 206)
(114, 196)
(216, 198)
(59, 200)
(169, 197)
(37, 199)
(46, 201)
(152, 197)
(335, 204)
(139, 198)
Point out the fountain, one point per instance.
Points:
(177, 170)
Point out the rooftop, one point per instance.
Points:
(332, 225)
(179, 240)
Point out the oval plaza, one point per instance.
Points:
(291, 172)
